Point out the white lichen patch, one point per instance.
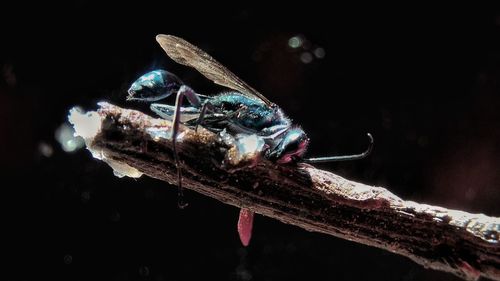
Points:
(123, 170)
(87, 125)
(246, 149)
(158, 134)
(249, 144)
(162, 133)
(478, 225)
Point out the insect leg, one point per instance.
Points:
(344, 157)
(166, 112)
(206, 106)
(194, 100)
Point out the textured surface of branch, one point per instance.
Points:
(316, 200)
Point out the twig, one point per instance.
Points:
(316, 200)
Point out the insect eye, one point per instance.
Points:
(292, 146)
(294, 141)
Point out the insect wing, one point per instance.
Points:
(187, 54)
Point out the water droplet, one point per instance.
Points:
(423, 141)
(243, 274)
(319, 53)
(306, 57)
(115, 216)
(242, 252)
(85, 196)
(68, 259)
(144, 271)
(8, 75)
(470, 194)
(65, 136)
(295, 41)
(45, 149)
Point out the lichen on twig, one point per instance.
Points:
(133, 143)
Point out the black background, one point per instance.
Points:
(423, 80)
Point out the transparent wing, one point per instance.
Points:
(187, 54)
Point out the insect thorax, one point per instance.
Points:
(249, 112)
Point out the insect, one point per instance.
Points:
(241, 110)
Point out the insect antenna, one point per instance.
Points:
(343, 157)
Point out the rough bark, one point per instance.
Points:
(442, 239)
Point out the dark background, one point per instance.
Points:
(424, 81)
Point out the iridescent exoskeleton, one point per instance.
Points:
(242, 110)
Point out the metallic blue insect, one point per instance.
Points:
(242, 110)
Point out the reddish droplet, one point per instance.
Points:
(471, 272)
(245, 225)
